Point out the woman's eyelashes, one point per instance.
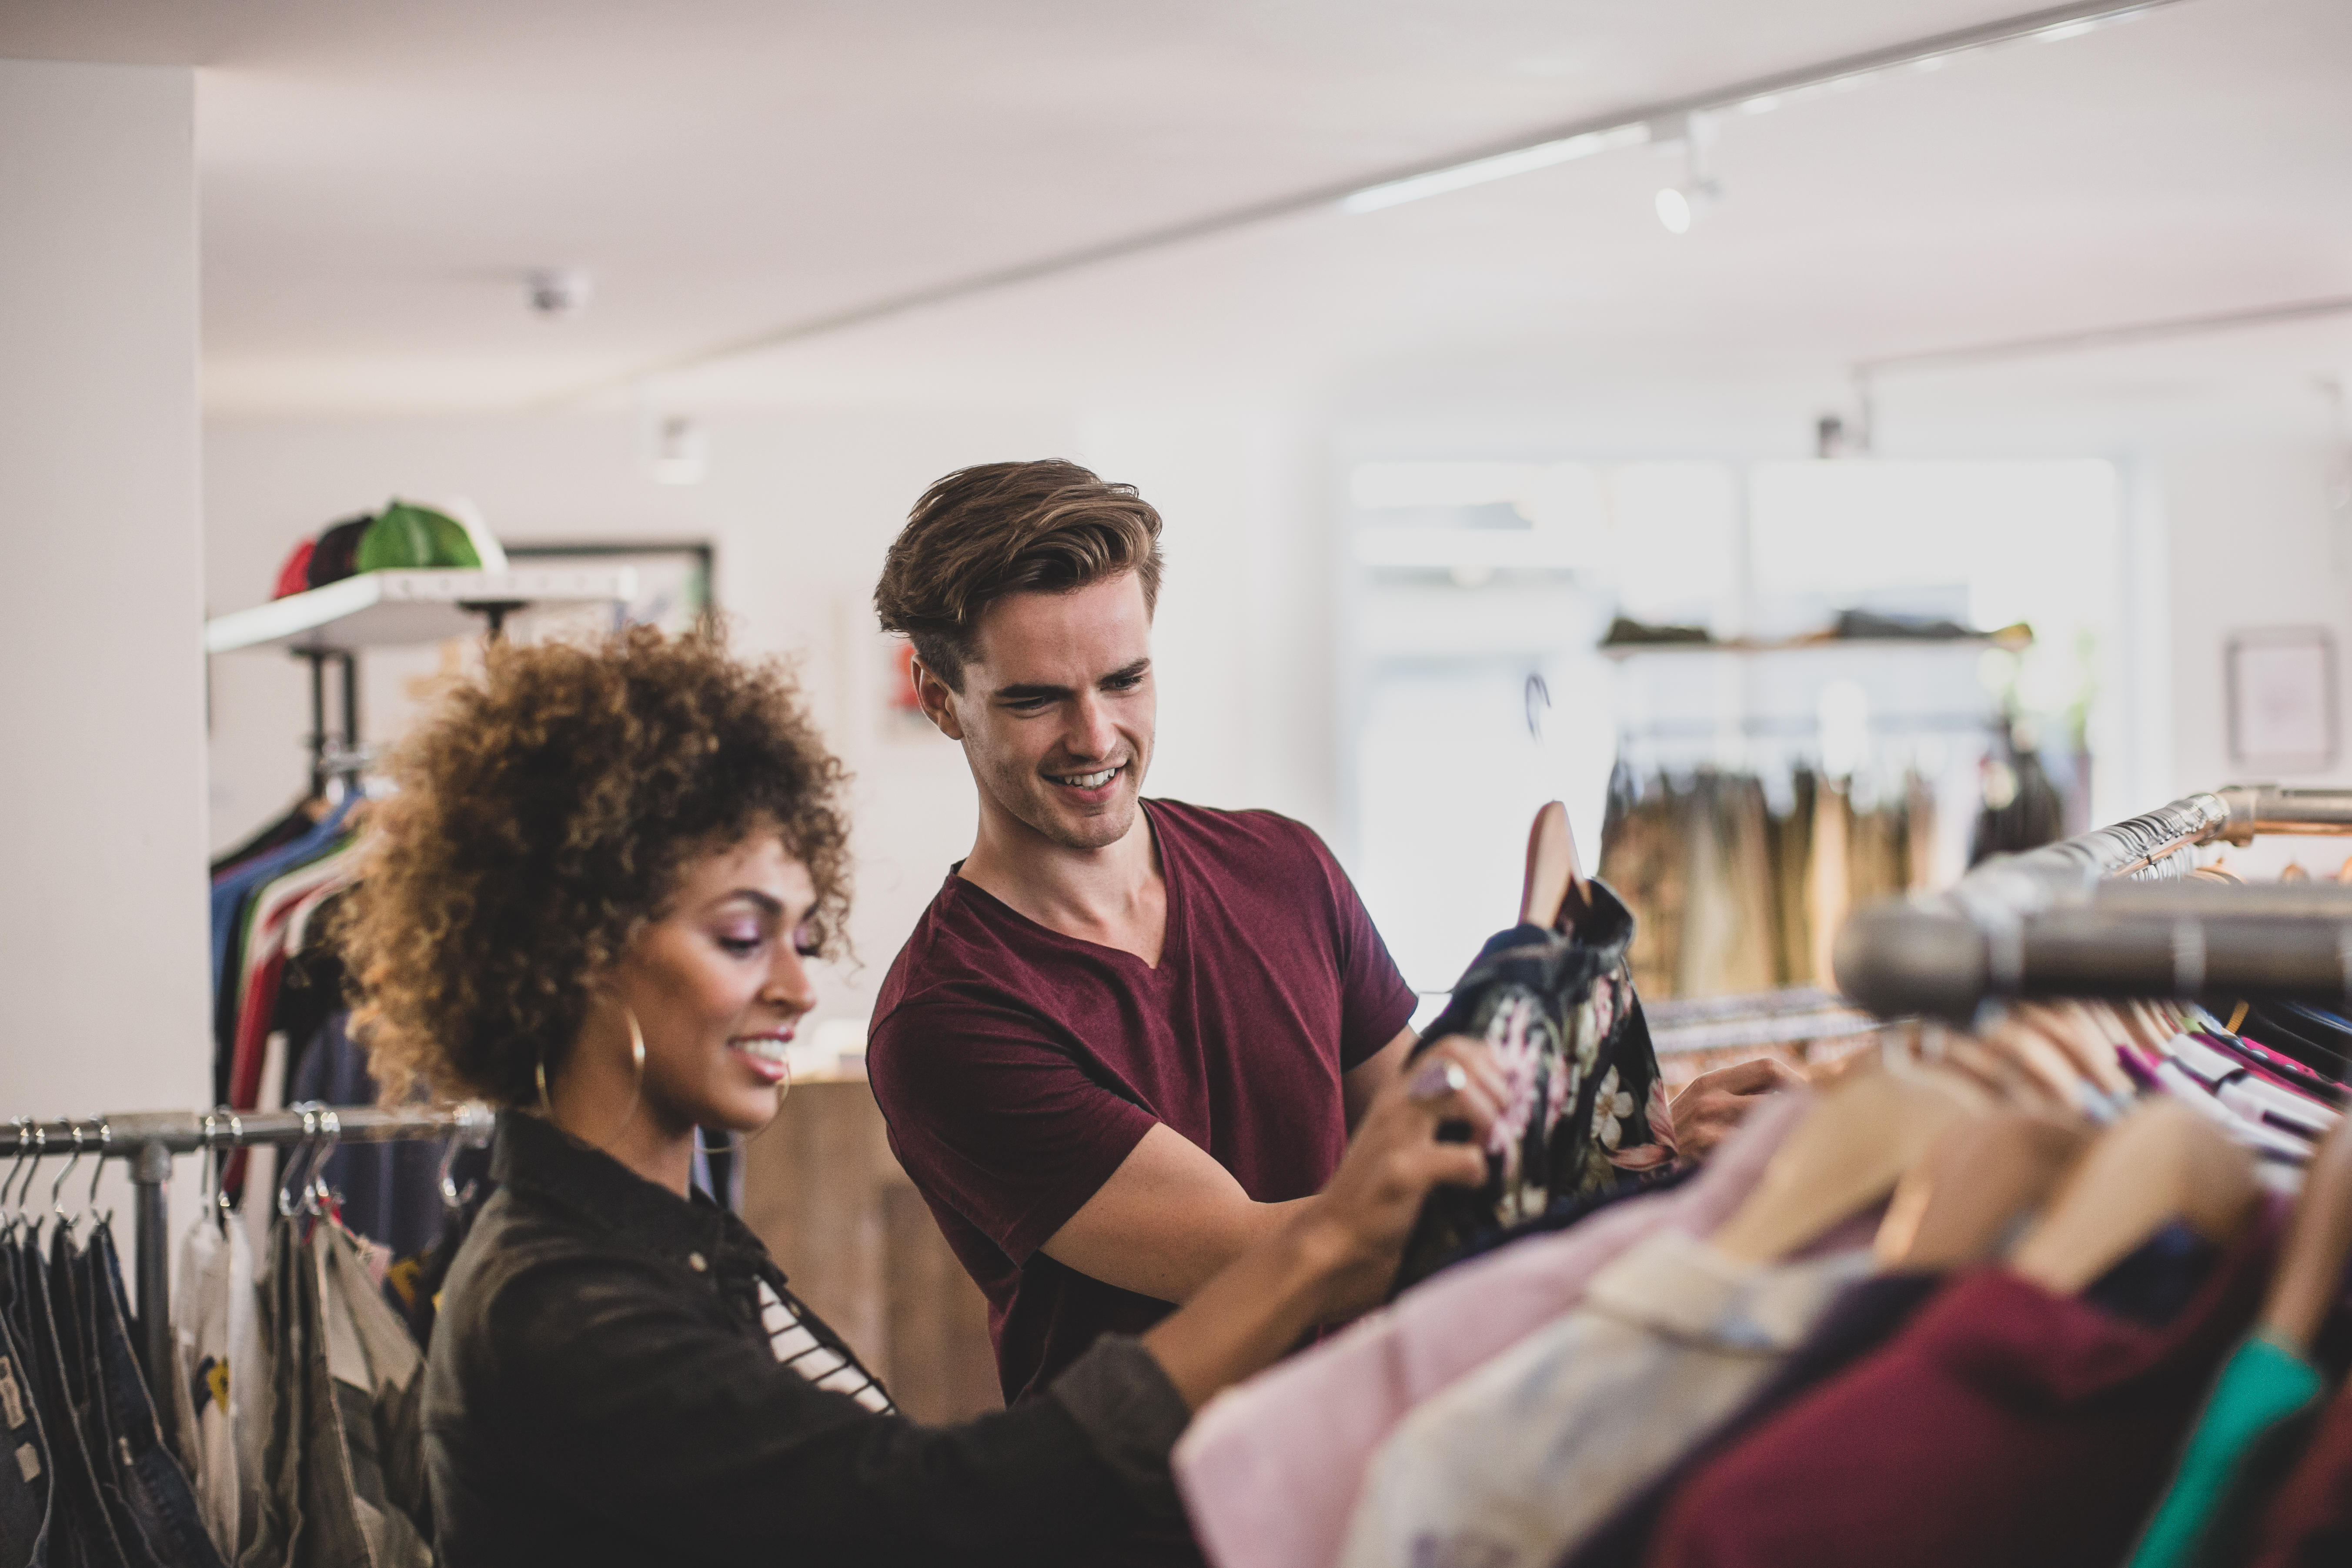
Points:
(742, 944)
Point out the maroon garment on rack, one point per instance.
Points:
(2006, 1424)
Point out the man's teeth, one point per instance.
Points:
(1088, 781)
(765, 1049)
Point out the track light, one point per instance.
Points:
(1679, 207)
(1757, 96)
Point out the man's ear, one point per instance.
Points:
(936, 701)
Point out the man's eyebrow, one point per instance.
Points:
(1030, 693)
(1132, 672)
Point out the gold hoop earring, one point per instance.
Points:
(637, 1060)
(539, 1072)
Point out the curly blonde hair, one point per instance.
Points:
(543, 813)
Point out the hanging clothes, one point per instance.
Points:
(1587, 1109)
(2006, 1424)
(214, 1333)
(2307, 1523)
(1733, 894)
(341, 1460)
(156, 1494)
(1272, 1471)
(2263, 1385)
(28, 1468)
(1864, 1316)
(1510, 1467)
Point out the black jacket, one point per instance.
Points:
(599, 1391)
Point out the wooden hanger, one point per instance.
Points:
(1998, 1077)
(1554, 895)
(2087, 1033)
(2162, 1163)
(1955, 1205)
(2039, 1057)
(1846, 1156)
(2318, 1243)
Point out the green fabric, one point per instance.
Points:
(408, 536)
(2263, 1384)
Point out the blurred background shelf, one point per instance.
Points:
(383, 609)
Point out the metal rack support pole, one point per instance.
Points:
(151, 1176)
(351, 700)
(318, 737)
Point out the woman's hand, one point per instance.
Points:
(1356, 1230)
(1335, 1256)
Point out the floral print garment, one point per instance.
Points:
(1587, 1111)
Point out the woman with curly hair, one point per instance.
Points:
(591, 901)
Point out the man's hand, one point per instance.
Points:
(1333, 1256)
(1713, 1103)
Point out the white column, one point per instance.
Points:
(102, 906)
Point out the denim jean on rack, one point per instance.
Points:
(76, 1271)
(149, 1476)
(24, 1472)
(80, 1534)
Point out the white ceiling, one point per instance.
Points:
(376, 180)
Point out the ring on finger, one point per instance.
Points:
(1437, 1080)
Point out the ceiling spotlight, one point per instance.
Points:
(1679, 206)
(557, 291)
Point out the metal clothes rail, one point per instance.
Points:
(2108, 913)
(1796, 1015)
(149, 1140)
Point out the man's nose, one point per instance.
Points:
(1091, 733)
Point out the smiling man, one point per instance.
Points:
(1127, 1032)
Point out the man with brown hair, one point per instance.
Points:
(1126, 1033)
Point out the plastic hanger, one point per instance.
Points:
(2318, 1243)
(1554, 895)
(1955, 1206)
(1846, 1156)
(2161, 1164)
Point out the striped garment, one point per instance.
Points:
(802, 1351)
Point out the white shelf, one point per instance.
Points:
(382, 609)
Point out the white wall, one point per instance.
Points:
(103, 950)
(2251, 532)
(801, 508)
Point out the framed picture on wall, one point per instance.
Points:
(674, 582)
(2281, 699)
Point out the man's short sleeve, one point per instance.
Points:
(991, 1119)
(1375, 1003)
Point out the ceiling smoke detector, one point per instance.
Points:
(559, 292)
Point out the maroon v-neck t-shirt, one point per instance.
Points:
(1017, 1066)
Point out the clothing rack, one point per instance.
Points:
(2107, 914)
(149, 1140)
(1796, 1015)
